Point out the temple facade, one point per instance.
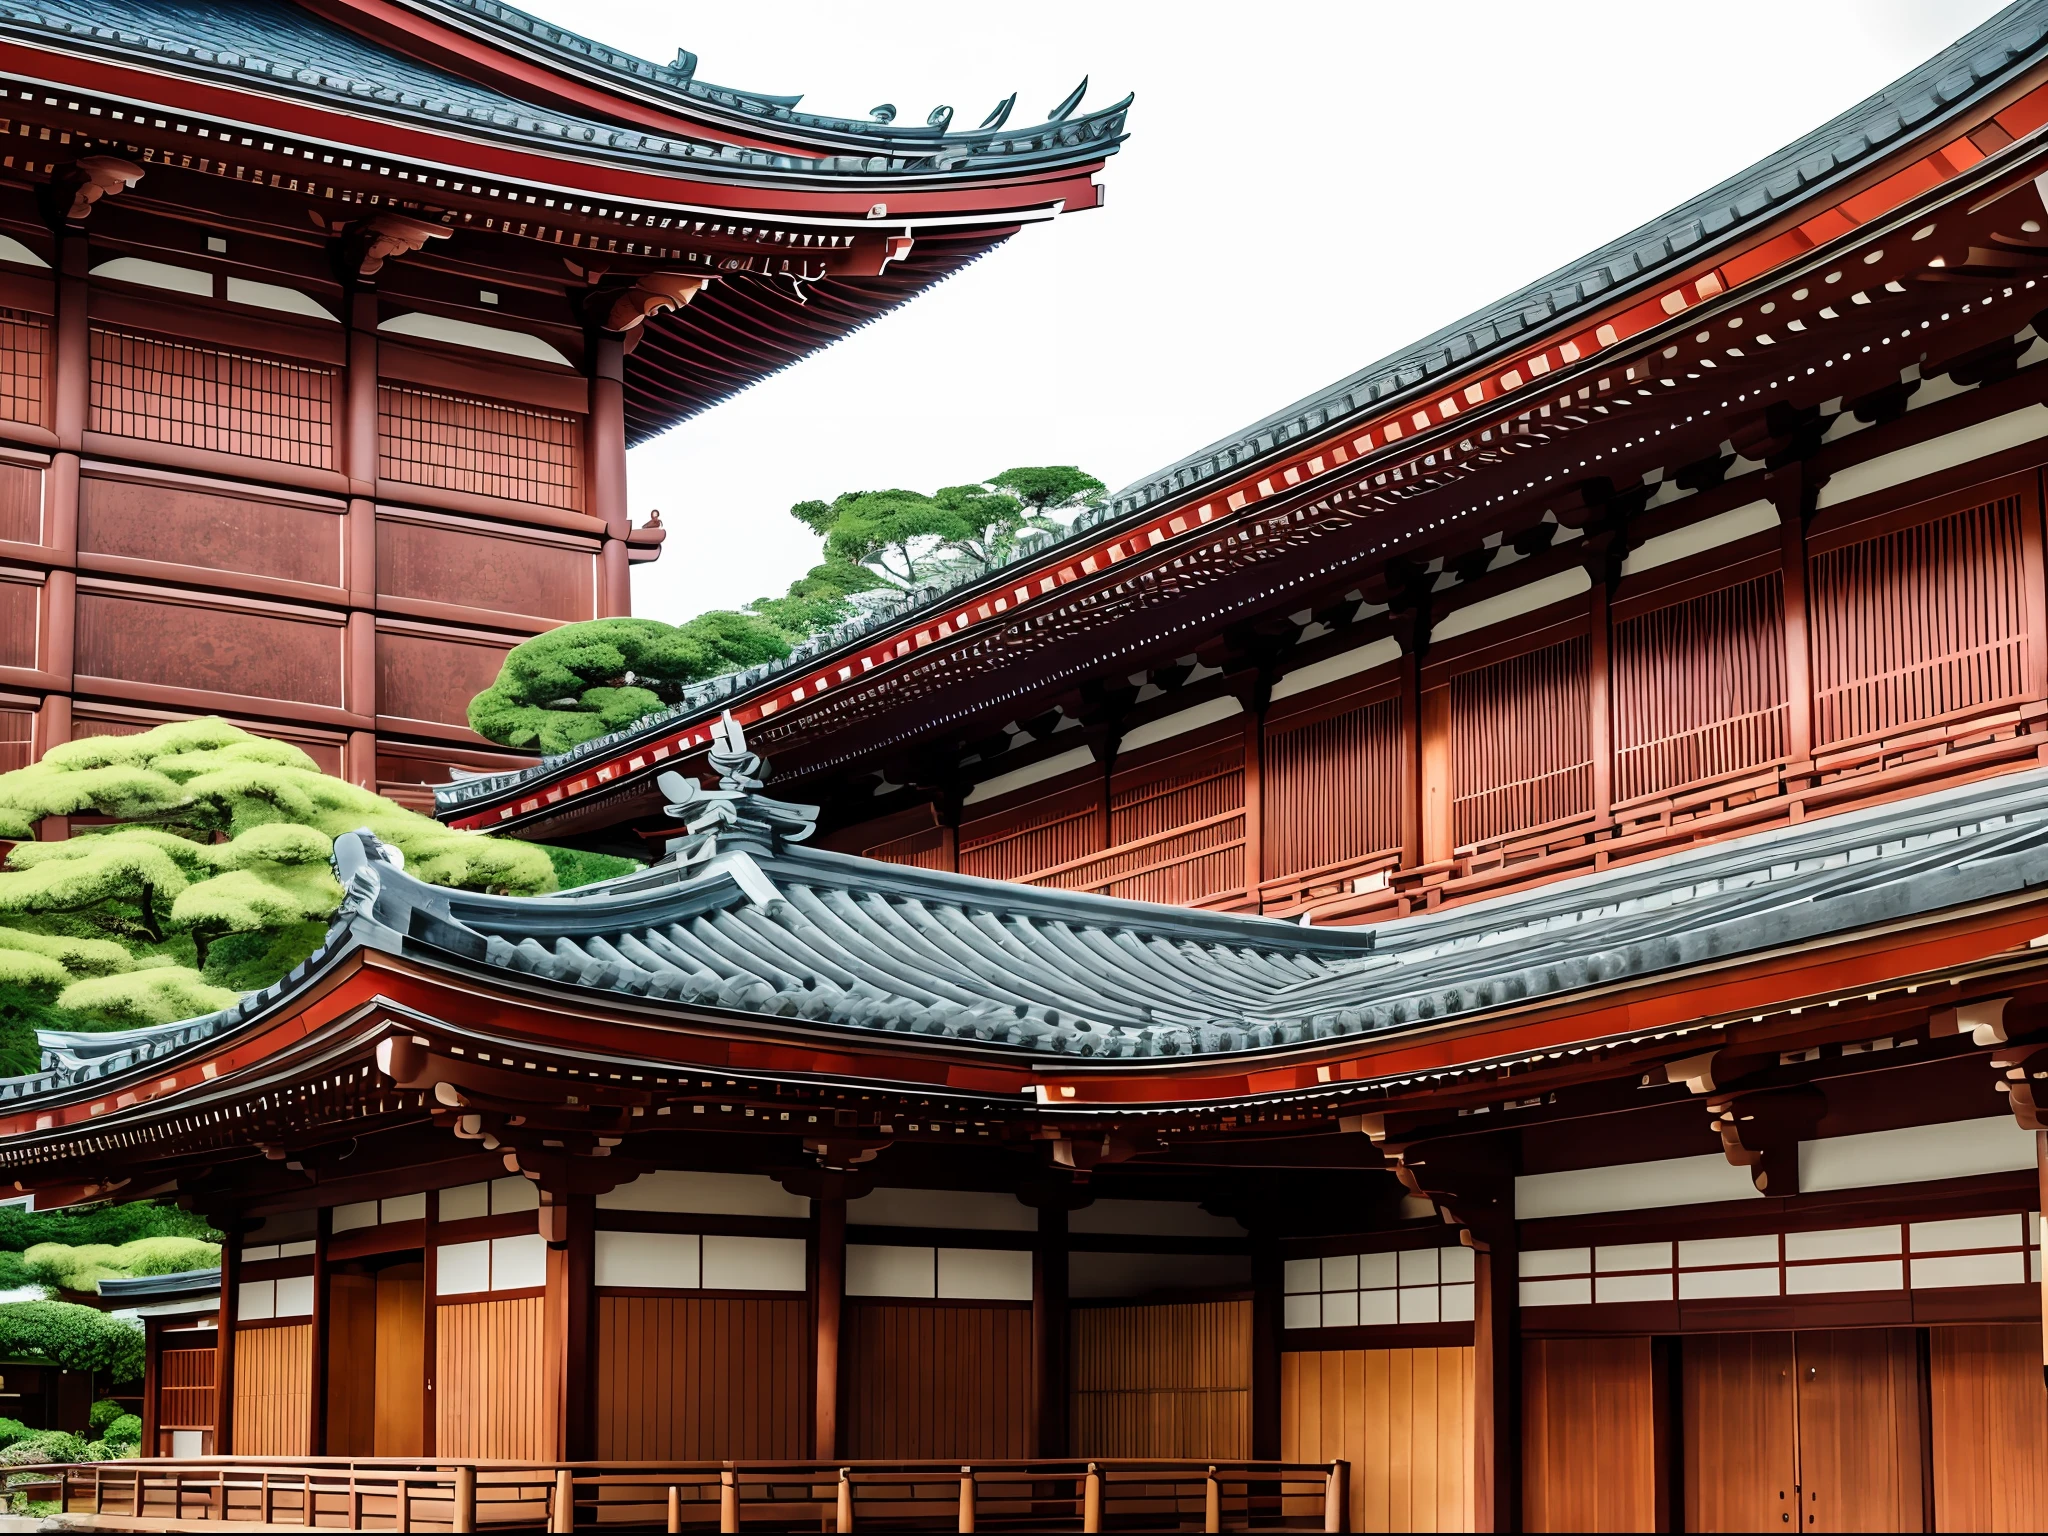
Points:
(324, 329)
(1473, 956)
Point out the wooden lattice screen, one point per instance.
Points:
(24, 367)
(1699, 689)
(1918, 623)
(480, 447)
(1333, 790)
(1521, 754)
(1196, 842)
(1012, 846)
(211, 398)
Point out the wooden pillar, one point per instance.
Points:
(152, 1383)
(359, 430)
(359, 535)
(569, 1223)
(2041, 1201)
(1437, 828)
(430, 1326)
(2034, 597)
(1254, 796)
(316, 1374)
(1790, 498)
(828, 1303)
(605, 469)
(1268, 1297)
(1496, 1386)
(1049, 1335)
(1411, 758)
(224, 1340)
(70, 407)
(1599, 701)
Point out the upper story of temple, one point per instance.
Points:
(325, 327)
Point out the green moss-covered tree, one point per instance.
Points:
(212, 879)
(574, 684)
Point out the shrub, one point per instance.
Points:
(123, 1430)
(77, 1338)
(81, 1268)
(104, 1412)
(12, 1431)
(42, 1447)
(574, 867)
(103, 1223)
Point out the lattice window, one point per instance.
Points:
(1333, 790)
(479, 447)
(24, 367)
(210, 398)
(17, 738)
(925, 849)
(1521, 750)
(1919, 623)
(1174, 837)
(1012, 847)
(1699, 689)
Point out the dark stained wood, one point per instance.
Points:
(828, 1305)
(1589, 1444)
(1050, 1328)
(1859, 1429)
(1741, 1432)
(322, 1337)
(1496, 1394)
(224, 1343)
(921, 1380)
(20, 608)
(1267, 1302)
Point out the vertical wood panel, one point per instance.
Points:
(352, 1353)
(20, 612)
(1401, 1417)
(1741, 1432)
(692, 1378)
(922, 1381)
(1159, 801)
(1919, 623)
(1990, 1427)
(490, 1398)
(1030, 838)
(1699, 689)
(1333, 789)
(1589, 1454)
(1520, 747)
(182, 525)
(1859, 1429)
(1163, 1380)
(273, 1387)
(21, 487)
(401, 1361)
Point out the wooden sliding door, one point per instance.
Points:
(1816, 1431)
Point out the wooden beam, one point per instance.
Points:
(152, 1384)
(828, 1302)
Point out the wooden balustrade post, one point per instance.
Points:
(464, 1514)
(675, 1508)
(728, 1500)
(842, 1508)
(564, 1501)
(967, 1498)
(1337, 1497)
(1091, 1500)
(1212, 1502)
(402, 1504)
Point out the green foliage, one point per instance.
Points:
(574, 867)
(77, 1338)
(11, 1432)
(582, 681)
(217, 833)
(104, 1223)
(123, 1429)
(43, 1446)
(103, 1413)
(82, 1267)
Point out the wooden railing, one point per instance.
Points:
(437, 1495)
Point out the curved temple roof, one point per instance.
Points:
(293, 52)
(740, 922)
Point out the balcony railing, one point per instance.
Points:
(450, 1495)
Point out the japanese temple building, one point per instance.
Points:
(1487, 935)
(325, 326)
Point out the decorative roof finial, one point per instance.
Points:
(735, 811)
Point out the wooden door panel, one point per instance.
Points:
(351, 1370)
(1990, 1427)
(1589, 1442)
(1859, 1430)
(401, 1361)
(1740, 1432)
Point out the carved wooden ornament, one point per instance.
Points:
(385, 235)
(95, 177)
(654, 293)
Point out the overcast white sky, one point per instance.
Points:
(1307, 187)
